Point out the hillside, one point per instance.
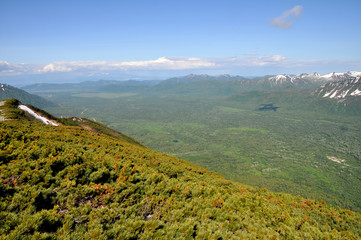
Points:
(64, 182)
(7, 91)
(14, 109)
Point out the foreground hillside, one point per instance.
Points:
(10, 109)
(65, 182)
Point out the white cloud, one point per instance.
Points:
(163, 63)
(92, 68)
(268, 60)
(285, 20)
(55, 68)
(7, 68)
(4, 65)
(251, 61)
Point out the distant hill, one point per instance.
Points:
(64, 182)
(105, 85)
(227, 84)
(7, 91)
(201, 84)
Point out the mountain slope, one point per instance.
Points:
(98, 128)
(66, 182)
(344, 91)
(7, 91)
(14, 109)
(341, 88)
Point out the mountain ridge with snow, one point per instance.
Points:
(342, 88)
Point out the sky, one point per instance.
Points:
(61, 40)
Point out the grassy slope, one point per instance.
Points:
(9, 110)
(98, 128)
(66, 182)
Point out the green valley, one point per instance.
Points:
(286, 150)
(69, 182)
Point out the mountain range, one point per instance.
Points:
(223, 84)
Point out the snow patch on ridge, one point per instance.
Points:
(279, 77)
(355, 74)
(344, 94)
(356, 93)
(334, 94)
(37, 116)
(327, 93)
(330, 75)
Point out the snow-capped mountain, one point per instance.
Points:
(305, 79)
(301, 80)
(226, 84)
(283, 78)
(341, 86)
(341, 76)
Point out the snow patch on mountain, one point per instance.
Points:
(327, 94)
(340, 76)
(37, 116)
(355, 74)
(332, 75)
(279, 77)
(344, 93)
(357, 92)
(334, 94)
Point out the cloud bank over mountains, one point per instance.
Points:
(250, 64)
(159, 64)
(163, 63)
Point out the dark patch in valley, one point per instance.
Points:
(267, 107)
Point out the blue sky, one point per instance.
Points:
(51, 40)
